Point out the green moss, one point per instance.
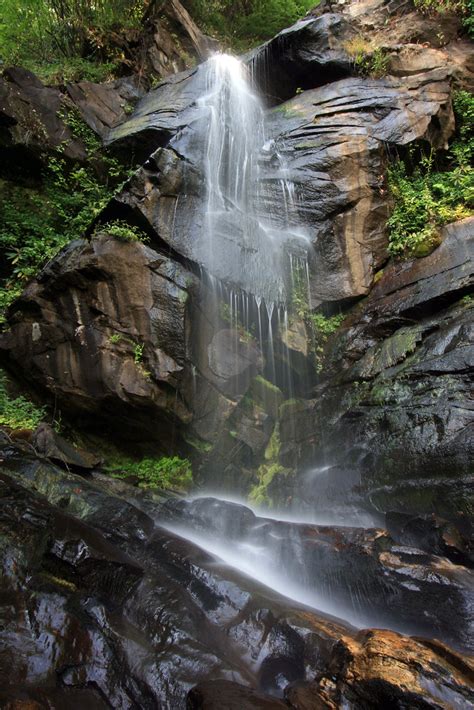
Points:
(202, 446)
(265, 395)
(267, 474)
(290, 111)
(59, 581)
(289, 406)
(272, 452)
(395, 349)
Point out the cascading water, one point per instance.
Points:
(246, 242)
(238, 231)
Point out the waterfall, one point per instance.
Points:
(243, 242)
(250, 225)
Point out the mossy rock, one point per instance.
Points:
(272, 479)
(266, 395)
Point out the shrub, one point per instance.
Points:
(238, 22)
(57, 30)
(463, 8)
(37, 220)
(18, 412)
(71, 69)
(369, 59)
(427, 199)
(167, 472)
(122, 230)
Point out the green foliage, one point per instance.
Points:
(37, 220)
(167, 472)
(427, 199)
(239, 21)
(54, 31)
(463, 8)
(72, 69)
(18, 412)
(138, 353)
(369, 59)
(122, 230)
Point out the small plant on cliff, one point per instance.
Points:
(123, 231)
(427, 198)
(369, 59)
(167, 472)
(138, 353)
(18, 412)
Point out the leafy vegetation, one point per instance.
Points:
(241, 21)
(70, 40)
(122, 230)
(18, 412)
(463, 8)
(168, 472)
(369, 59)
(38, 218)
(66, 39)
(427, 198)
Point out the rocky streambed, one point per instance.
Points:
(104, 605)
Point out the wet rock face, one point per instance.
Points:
(334, 142)
(85, 328)
(92, 585)
(115, 330)
(397, 388)
(359, 677)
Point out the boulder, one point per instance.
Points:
(232, 696)
(103, 106)
(332, 141)
(187, 617)
(334, 144)
(420, 674)
(308, 54)
(91, 584)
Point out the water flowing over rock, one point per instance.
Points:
(360, 574)
(107, 587)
